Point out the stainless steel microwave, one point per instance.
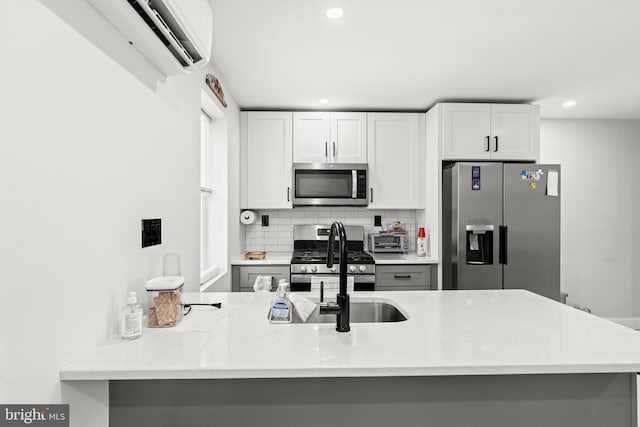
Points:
(330, 184)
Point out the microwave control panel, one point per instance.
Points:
(362, 185)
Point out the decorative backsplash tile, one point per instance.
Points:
(278, 236)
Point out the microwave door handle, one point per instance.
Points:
(354, 184)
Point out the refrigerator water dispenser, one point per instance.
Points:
(479, 244)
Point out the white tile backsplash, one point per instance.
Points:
(278, 236)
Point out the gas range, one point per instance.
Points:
(316, 262)
(303, 256)
(309, 258)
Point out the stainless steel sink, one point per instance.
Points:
(361, 312)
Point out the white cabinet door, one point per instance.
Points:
(329, 137)
(490, 131)
(395, 147)
(311, 137)
(348, 137)
(268, 166)
(466, 131)
(515, 132)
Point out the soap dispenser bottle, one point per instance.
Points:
(131, 318)
(281, 305)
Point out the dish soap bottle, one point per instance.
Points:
(280, 305)
(421, 244)
(131, 318)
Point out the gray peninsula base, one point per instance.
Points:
(481, 401)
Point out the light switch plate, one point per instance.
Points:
(151, 232)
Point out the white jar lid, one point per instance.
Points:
(165, 283)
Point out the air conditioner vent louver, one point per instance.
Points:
(163, 24)
(175, 35)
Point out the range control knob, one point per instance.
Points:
(362, 268)
(313, 269)
(333, 269)
(352, 268)
(303, 268)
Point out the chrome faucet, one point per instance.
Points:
(341, 307)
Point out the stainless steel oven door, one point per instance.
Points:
(361, 282)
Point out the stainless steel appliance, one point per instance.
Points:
(310, 243)
(330, 184)
(501, 227)
(388, 242)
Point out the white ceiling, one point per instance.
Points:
(410, 54)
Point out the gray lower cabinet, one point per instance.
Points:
(244, 276)
(406, 277)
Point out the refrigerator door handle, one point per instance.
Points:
(502, 237)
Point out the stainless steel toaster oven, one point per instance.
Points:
(392, 242)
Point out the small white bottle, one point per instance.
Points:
(281, 305)
(131, 318)
(421, 243)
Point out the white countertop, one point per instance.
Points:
(271, 258)
(447, 333)
(284, 258)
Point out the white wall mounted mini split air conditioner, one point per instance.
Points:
(174, 35)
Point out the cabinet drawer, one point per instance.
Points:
(243, 277)
(403, 277)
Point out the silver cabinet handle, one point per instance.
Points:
(496, 147)
(487, 148)
(326, 149)
(288, 194)
(402, 276)
(371, 189)
(334, 150)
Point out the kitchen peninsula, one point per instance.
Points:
(482, 358)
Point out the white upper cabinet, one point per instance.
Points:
(349, 137)
(466, 131)
(490, 131)
(396, 146)
(266, 153)
(311, 137)
(515, 132)
(320, 137)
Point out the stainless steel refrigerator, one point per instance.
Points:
(501, 227)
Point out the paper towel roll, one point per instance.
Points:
(247, 217)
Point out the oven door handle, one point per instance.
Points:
(306, 278)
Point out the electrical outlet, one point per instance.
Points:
(151, 232)
(377, 220)
(265, 220)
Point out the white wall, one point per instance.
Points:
(600, 211)
(278, 236)
(87, 149)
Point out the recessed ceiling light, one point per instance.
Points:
(569, 104)
(323, 101)
(335, 13)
